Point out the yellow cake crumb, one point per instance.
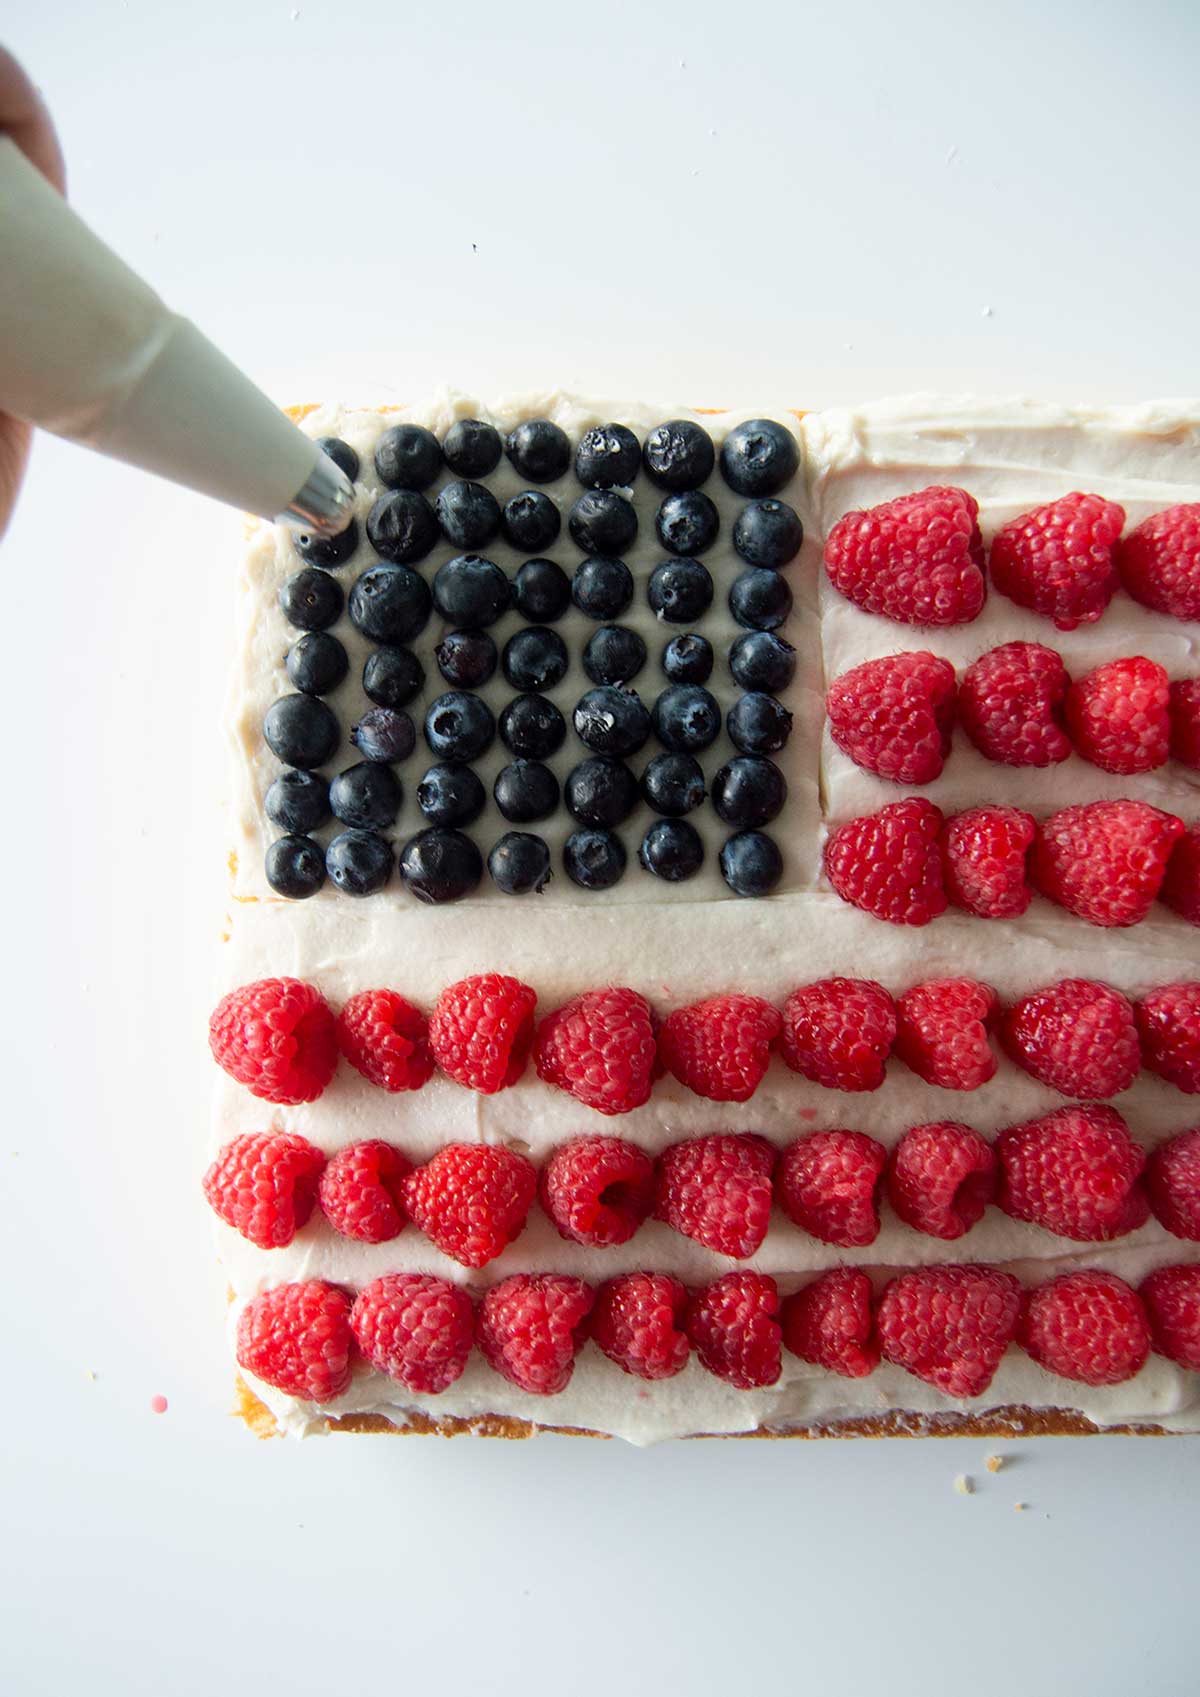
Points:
(994, 1463)
(964, 1485)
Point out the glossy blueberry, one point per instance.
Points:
(594, 859)
(317, 663)
(328, 552)
(758, 457)
(390, 604)
(520, 864)
(295, 867)
(678, 455)
(760, 599)
(758, 724)
(532, 727)
(530, 521)
(311, 599)
(535, 658)
(749, 792)
(383, 733)
(402, 527)
(466, 658)
(673, 784)
(342, 455)
(298, 801)
(601, 791)
(686, 718)
(680, 591)
(611, 720)
(614, 654)
(688, 659)
(468, 513)
(541, 592)
(440, 865)
(525, 791)
(768, 533)
(472, 448)
(602, 522)
(392, 676)
(672, 849)
(359, 862)
(367, 796)
(761, 660)
(608, 457)
(301, 731)
(451, 795)
(408, 457)
(470, 590)
(539, 450)
(459, 726)
(751, 863)
(602, 588)
(687, 523)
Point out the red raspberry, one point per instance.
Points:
(1010, 704)
(720, 1048)
(386, 1039)
(415, 1328)
(733, 1326)
(1058, 559)
(362, 1191)
(532, 1326)
(1075, 1172)
(895, 716)
(828, 1184)
(277, 1038)
(264, 1185)
(984, 852)
(942, 1032)
(471, 1200)
(637, 1322)
(1117, 715)
(918, 559)
(600, 1048)
(839, 1032)
(1088, 1326)
(1168, 1022)
(717, 1191)
(1104, 860)
(1172, 1298)
(829, 1323)
(1180, 889)
(1077, 1036)
(597, 1190)
(1159, 561)
(298, 1338)
(889, 864)
(1184, 709)
(949, 1325)
(1173, 1184)
(940, 1178)
(481, 1031)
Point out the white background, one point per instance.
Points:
(693, 201)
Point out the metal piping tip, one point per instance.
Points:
(325, 504)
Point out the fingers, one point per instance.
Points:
(24, 117)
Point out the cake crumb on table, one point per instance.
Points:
(964, 1485)
(1020, 1506)
(994, 1463)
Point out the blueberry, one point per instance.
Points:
(680, 591)
(342, 455)
(472, 448)
(768, 533)
(390, 604)
(466, 658)
(329, 552)
(367, 795)
(532, 727)
(761, 660)
(541, 592)
(440, 866)
(749, 792)
(535, 658)
(298, 801)
(451, 795)
(613, 655)
(301, 731)
(760, 599)
(392, 676)
(524, 791)
(470, 590)
(678, 455)
(311, 600)
(601, 791)
(611, 720)
(520, 864)
(688, 659)
(531, 521)
(672, 849)
(758, 457)
(673, 784)
(384, 734)
(687, 523)
(602, 522)
(595, 860)
(408, 457)
(602, 588)
(751, 863)
(758, 724)
(359, 862)
(468, 513)
(686, 718)
(459, 726)
(317, 663)
(402, 527)
(539, 450)
(608, 457)
(295, 867)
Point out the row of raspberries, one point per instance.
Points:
(280, 1038)
(947, 1325)
(919, 560)
(1076, 1172)
(895, 716)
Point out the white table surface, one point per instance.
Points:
(713, 203)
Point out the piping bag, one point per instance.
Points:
(89, 352)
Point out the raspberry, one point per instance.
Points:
(1184, 709)
(1173, 1184)
(1172, 1299)
(717, 1191)
(733, 1326)
(415, 1328)
(597, 1190)
(1058, 559)
(1010, 704)
(828, 1184)
(917, 560)
(1075, 1172)
(1077, 1036)
(949, 1325)
(1117, 715)
(984, 851)
(298, 1338)
(531, 1327)
(942, 1032)
(1159, 562)
(829, 1323)
(1104, 860)
(362, 1191)
(600, 1048)
(481, 1030)
(888, 863)
(1088, 1326)
(839, 1032)
(1168, 1022)
(386, 1039)
(1180, 890)
(637, 1322)
(940, 1178)
(895, 716)
(277, 1038)
(720, 1048)
(471, 1200)
(264, 1185)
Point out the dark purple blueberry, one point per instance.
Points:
(760, 599)
(451, 795)
(440, 865)
(680, 591)
(673, 784)
(611, 720)
(525, 791)
(768, 533)
(301, 731)
(541, 592)
(390, 604)
(466, 658)
(317, 663)
(601, 791)
(608, 457)
(614, 654)
(672, 849)
(298, 802)
(602, 522)
(359, 862)
(530, 521)
(532, 727)
(468, 513)
(328, 552)
(402, 527)
(342, 455)
(678, 455)
(751, 863)
(688, 659)
(594, 859)
(459, 726)
(686, 718)
(602, 588)
(367, 796)
(758, 724)
(749, 792)
(408, 457)
(311, 599)
(295, 867)
(472, 448)
(687, 523)
(539, 450)
(535, 659)
(392, 676)
(759, 457)
(470, 590)
(384, 733)
(762, 660)
(520, 864)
